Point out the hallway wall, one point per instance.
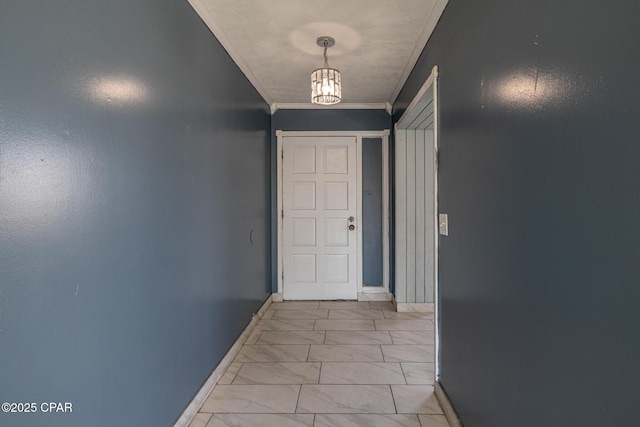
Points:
(540, 176)
(134, 209)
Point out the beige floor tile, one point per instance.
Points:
(273, 353)
(351, 363)
(286, 325)
(268, 314)
(392, 314)
(345, 353)
(253, 337)
(403, 324)
(301, 314)
(382, 305)
(416, 399)
(278, 373)
(433, 421)
(355, 314)
(344, 325)
(262, 420)
(366, 420)
(408, 353)
(413, 337)
(200, 420)
(295, 305)
(358, 337)
(340, 399)
(344, 305)
(252, 399)
(361, 373)
(419, 373)
(230, 373)
(291, 337)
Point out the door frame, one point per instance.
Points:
(431, 83)
(359, 135)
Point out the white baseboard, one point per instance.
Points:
(374, 295)
(446, 405)
(365, 295)
(197, 402)
(408, 307)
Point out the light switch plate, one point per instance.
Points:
(443, 224)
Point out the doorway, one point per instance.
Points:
(416, 204)
(320, 223)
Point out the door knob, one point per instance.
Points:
(352, 227)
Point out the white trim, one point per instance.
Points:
(445, 404)
(389, 107)
(425, 87)
(192, 409)
(384, 134)
(436, 282)
(413, 307)
(342, 106)
(359, 253)
(374, 293)
(362, 133)
(279, 185)
(432, 81)
(427, 30)
(400, 216)
(200, 7)
(386, 244)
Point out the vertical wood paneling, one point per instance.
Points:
(421, 195)
(415, 216)
(411, 216)
(401, 215)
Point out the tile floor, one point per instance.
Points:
(330, 363)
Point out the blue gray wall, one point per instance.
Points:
(372, 253)
(315, 120)
(134, 208)
(540, 176)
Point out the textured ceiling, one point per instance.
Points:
(274, 43)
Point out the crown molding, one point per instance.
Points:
(342, 106)
(427, 30)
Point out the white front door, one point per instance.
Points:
(319, 211)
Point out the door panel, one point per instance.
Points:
(304, 231)
(336, 160)
(304, 195)
(319, 197)
(304, 159)
(336, 232)
(336, 195)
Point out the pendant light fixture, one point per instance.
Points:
(326, 88)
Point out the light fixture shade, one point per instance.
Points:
(326, 88)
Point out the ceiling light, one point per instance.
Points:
(326, 88)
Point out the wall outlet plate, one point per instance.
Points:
(443, 224)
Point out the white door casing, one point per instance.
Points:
(319, 201)
(420, 122)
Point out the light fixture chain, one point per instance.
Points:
(324, 55)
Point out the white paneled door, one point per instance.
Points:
(319, 217)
